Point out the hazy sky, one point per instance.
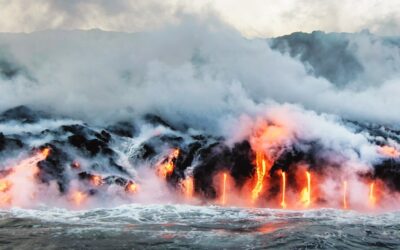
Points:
(260, 18)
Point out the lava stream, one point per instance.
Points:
(306, 192)
(167, 168)
(223, 196)
(260, 174)
(345, 195)
(372, 197)
(283, 202)
(188, 187)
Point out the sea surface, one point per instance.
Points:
(138, 226)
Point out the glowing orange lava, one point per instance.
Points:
(306, 192)
(78, 197)
(372, 197)
(260, 174)
(96, 180)
(5, 200)
(167, 168)
(188, 187)
(345, 195)
(45, 152)
(283, 202)
(389, 151)
(223, 195)
(4, 185)
(131, 187)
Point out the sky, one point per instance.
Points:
(253, 18)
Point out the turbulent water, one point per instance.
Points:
(208, 227)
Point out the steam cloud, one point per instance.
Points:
(202, 75)
(214, 73)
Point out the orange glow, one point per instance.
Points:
(372, 197)
(4, 185)
(223, 195)
(271, 134)
(175, 153)
(131, 187)
(345, 195)
(96, 180)
(45, 152)
(283, 202)
(78, 197)
(167, 168)
(389, 151)
(306, 192)
(5, 200)
(188, 187)
(260, 174)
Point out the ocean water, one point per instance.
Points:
(139, 226)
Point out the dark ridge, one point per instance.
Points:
(156, 120)
(53, 167)
(23, 114)
(242, 162)
(328, 54)
(123, 128)
(91, 147)
(9, 143)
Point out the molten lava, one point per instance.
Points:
(188, 187)
(283, 202)
(223, 195)
(372, 197)
(345, 195)
(131, 187)
(306, 192)
(96, 180)
(78, 197)
(4, 185)
(45, 152)
(260, 174)
(167, 168)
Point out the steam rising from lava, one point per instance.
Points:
(223, 120)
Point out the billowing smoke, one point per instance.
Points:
(194, 112)
(98, 74)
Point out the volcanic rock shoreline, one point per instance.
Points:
(80, 151)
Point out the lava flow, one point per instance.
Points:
(283, 201)
(166, 169)
(18, 186)
(372, 197)
(345, 195)
(306, 192)
(188, 187)
(78, 197)
(261, 169)
(4, 185)
(223, 195)
(131, 187)
(96, 180)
